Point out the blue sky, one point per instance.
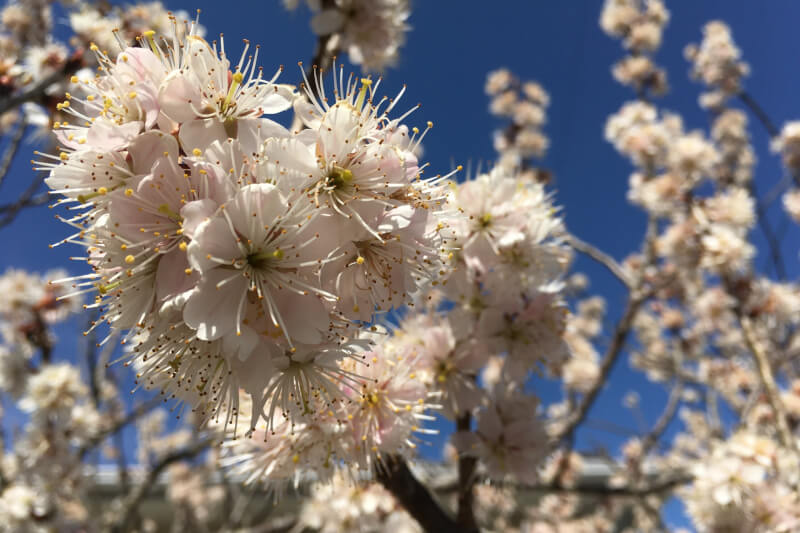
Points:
(559, 44)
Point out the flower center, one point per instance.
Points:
(261, 260)
(339, 177)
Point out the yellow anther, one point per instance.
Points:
(356, 309)
(132, 95)
(129, 259)
(236, 80)
(296, 458)
(102, 191)
(360, 260)
(430, 124)
(182, 246)
(278, 254)
(74, 79)
(459, 168)
(90, 98)
(197, 152)
(123, 246)
(362, 93)
(149, 35)
(93, 47)
(63, 156)
(128, 192)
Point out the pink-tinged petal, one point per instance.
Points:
(305, 317)
(195, 213)
(148, 101)
(327, 21)
(466, 442)
(166, 184)
(254, 207)
(213, 242)
(279, 98)
(339, 132)
(490, 427)
(177, 96)
(171, 277)
(242, 344)
(107, 135)
(64, 140)
(143, 63)
(397, 219)
(290, 159)
(251, 132)
(150, 146)
(308, 113)
(213, 310)
(200, 134)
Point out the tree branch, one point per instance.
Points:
(39, 91)
(393, 473)
(133, 500)
(635, 301)
(11, 150)
(466, 480)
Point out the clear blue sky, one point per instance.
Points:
(444, 63)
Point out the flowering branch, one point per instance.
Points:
(767, 380)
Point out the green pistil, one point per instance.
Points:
(339, 177)
(261, 260)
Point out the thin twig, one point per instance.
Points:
(760, 114)
(26, 199)
(131, 417)
(601, 257)
(131, 503)
(635, 300)
(772, 241)
(650, 440)
(39, 91)
(11, 150)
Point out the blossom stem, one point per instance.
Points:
(466, 480)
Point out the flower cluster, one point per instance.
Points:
(241, 255)
(640, 25)
(370, 31)
(525, 104)
(717, 62)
